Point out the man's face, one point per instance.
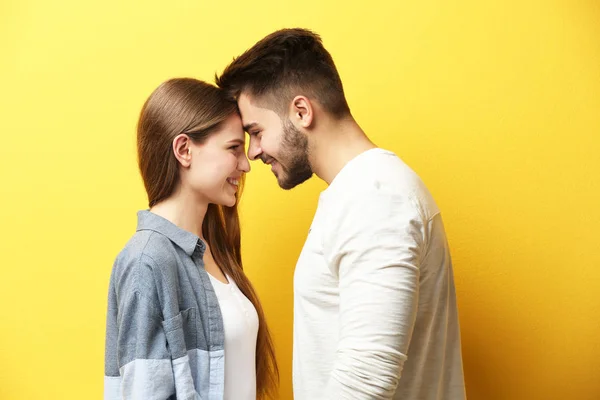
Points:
(276, 142)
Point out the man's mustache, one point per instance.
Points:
(266, 159)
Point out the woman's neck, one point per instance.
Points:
(184, 210)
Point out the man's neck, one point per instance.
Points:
(337, 144)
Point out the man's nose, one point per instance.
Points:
(254, 150)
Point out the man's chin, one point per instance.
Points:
(287, 184)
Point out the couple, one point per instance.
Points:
(375, 313)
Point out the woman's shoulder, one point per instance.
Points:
(145, 246)
(147, 257)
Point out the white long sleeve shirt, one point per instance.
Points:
(375, 313)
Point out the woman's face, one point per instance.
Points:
(217, 165)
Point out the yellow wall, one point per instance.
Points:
(496, 104)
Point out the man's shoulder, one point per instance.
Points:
(382, 176)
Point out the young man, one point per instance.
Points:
(375, 313)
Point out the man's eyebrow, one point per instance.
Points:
(250, 126)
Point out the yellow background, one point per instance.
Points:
(496, 104)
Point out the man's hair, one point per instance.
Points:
(287, 63)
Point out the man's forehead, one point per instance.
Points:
(245, 100)
(253, 114)
(247, 109)
(253, 104)
(249, 118)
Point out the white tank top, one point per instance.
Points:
(240, 322)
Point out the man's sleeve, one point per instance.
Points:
(373, 245)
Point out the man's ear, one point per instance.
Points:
(302, 112)
(183, 150)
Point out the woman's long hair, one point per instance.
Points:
(196, 108)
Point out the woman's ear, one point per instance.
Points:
(183, 150)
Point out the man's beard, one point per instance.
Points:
(293, 157)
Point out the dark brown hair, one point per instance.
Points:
(284, 64)
(198, 109)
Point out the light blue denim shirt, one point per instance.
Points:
(164, 329)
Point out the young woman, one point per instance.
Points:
(183, 319)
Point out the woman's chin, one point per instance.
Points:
(228, 201)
